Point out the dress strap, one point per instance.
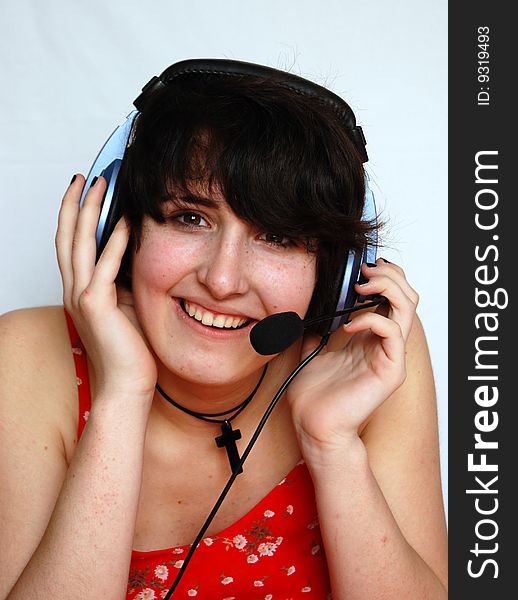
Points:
(81, 366)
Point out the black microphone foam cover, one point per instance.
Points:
(276, 333)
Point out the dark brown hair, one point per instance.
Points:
(282, 160)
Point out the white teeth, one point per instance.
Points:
(209, 318)
(219, 321)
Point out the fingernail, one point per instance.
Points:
(362, 280)
(386, 261)
(371, 264)
(93, 182)
(72, 180)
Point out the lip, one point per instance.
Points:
(213, 333)
(217, 310)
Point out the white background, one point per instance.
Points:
(70, 71)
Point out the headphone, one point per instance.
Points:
(109, 160)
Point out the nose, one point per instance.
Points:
(225, 269)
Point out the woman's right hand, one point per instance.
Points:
(103, 315)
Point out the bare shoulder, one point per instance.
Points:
(38, 395)
(33, 321)
(33, 337)
(405, 425)
(37, 377)
(416, 397)
(402, 442)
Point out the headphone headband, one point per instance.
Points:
(110, 157)
(216, 67)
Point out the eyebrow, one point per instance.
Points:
(199, 200)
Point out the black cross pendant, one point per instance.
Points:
(227, 440)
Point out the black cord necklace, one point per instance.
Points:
(228, 436)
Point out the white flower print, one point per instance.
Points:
(315, 549)
(227, 580)
(86, 415)
(208, 541)
(289, 509)
(178, 564)
(258, 583)
(192, 592)
(268, 597)
(291, 570)
(146, 594)
(266, 548)
(163, 593)
(76, 350)
(306, 589)
(178, 551)
(313, 524)
(278, 541)
(269, 513)
(251, 559)
(161, 572)
(240, 541)
(79, 381)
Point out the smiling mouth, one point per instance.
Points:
(213, 320)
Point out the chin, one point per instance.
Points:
(213, 368)
(196, 352)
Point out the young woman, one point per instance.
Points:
(240, 198)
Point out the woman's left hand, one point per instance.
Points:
(338, 391)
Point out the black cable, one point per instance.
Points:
(209, 417)
(241, 462)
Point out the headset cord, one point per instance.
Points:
(241, 462)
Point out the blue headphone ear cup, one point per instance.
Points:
(110, 209)
(107, 164)
(345, 294)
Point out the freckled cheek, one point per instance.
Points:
(158, 265)
(290, 287)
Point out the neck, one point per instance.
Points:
(216, 417)
(216, 398)
(208, 398)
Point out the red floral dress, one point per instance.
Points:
(274, 552)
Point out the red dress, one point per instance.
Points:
(274, 552)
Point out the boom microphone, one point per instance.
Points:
(278, 332)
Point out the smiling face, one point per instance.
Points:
(283, 161)
(202, 279)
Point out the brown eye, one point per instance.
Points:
(191, 219)
(276, 240)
